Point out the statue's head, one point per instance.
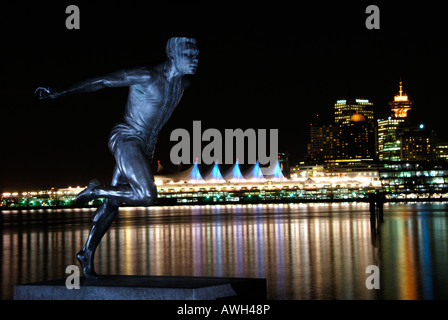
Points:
(183, 53)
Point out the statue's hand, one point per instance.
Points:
(45, 93)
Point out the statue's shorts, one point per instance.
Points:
(123, 133)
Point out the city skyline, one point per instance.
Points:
(355, 133)
(353, 118)
(254, 72)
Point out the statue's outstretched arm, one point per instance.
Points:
(122, 78)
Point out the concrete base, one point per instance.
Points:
(117, 287)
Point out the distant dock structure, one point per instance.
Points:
(372, 183)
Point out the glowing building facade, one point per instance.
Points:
(398, 140)
(345, 109)
(352, 137)
(389, 132)
(389, 144)
(401, 104)
(325, 143)
(358, 139)
(418, 144)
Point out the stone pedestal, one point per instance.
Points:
(117, 287)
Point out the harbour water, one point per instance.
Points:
(305, 251)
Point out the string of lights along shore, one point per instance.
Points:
(348, 159)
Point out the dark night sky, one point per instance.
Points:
(261, 66)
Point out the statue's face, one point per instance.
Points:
(185, 57)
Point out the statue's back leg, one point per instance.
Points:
(102, 219)
(132, 183)
(137, 186)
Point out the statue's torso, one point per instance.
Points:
(151, 103)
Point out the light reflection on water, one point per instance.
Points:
(305, 251)
(414, 252)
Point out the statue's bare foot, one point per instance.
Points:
(87, 265)
(86, 195)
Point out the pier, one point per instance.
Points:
(376, 207)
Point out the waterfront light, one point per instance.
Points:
(310, 185)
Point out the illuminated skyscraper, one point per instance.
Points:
(358, 139)
(389, 144)
(345, 109)
(401, 104)
(351, 142)
(418, 144)
(351, 138)
(399, 140)
(325, 143)
(389, 133)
